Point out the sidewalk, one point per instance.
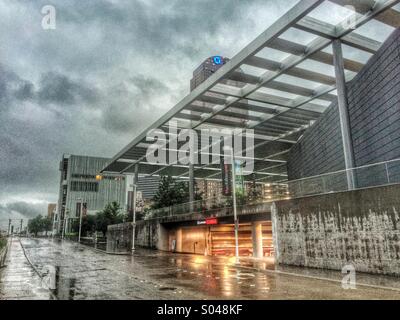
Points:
(18, 279)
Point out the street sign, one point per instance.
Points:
(239, 179)
(208, 221)
(226, 170)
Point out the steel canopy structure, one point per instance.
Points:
(284, 80)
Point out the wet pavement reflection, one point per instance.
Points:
(68, 271)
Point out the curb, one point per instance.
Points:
(36, 270)
(99, 250)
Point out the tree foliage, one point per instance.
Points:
(110, 215)
(40, 224)
(88, 224)
(172, 192)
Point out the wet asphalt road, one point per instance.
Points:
(65, 270)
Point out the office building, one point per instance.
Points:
(82, 188)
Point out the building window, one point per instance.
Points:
(91, 176)
(82, 186)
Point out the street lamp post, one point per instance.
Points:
(54, 224)
(64, 227)
(134, 217)
(80, 221)
(236, 222)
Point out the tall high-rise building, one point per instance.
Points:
(51, 209)
(205, 70)
(211, 188)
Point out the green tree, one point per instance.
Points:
(88, 224)
(35, 225)
(109, 216)
(47, 224)
(172, 192)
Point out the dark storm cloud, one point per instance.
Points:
(137, 92)
(58, 88)
(24, 209)
(10, 83)
(53, 87)
(176, 25)
(25, 91)
(107, 71)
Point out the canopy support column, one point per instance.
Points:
(344, 113)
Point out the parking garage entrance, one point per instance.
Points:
(218, 239)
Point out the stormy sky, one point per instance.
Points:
(109, 69)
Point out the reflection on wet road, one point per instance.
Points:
(71, 271)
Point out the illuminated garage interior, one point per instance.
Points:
(255, 240)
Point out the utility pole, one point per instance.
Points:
(9, 227)
(135, 181)
(20, 228)
(80, 221)
(65, 221)
(134, 217)
(54, 223)
(63, 227)
(235, 209)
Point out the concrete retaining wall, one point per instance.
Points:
(119, 237)
(330, 231)
(149, 234)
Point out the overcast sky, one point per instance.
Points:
(109, 69)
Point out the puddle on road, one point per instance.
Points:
(167, 289)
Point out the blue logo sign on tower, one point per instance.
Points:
(218, 60)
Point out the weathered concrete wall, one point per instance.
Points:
(151, 234)
(148, 234)
(119, 237)
(330, 231)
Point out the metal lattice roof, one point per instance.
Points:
(278, 85)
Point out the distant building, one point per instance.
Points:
(148, 186)
(209, 189)
(81, 188)
(212, 189)
(205, 70)
(51, 210)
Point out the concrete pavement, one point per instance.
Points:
(71, 271)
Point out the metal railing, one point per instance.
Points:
(375, 175)
(190, 207)
(208, 206)
(378, 174)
